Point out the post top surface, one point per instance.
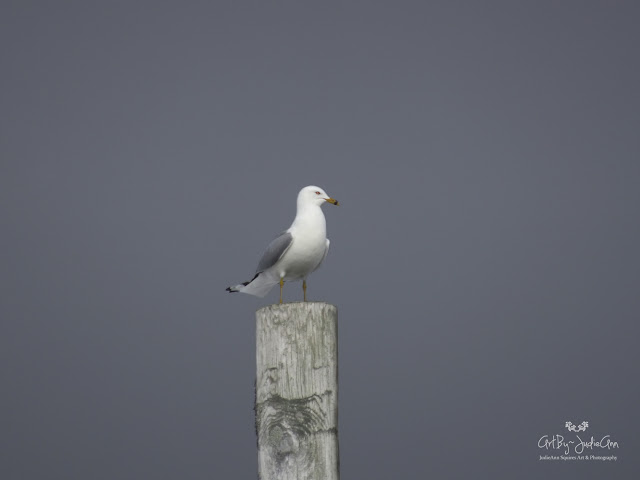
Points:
(296, 306)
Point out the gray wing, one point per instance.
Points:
(274, 251)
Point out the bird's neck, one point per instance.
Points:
(311, 217)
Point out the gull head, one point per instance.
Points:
(313, 195)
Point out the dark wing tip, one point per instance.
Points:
(234, 290)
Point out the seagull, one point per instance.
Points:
(297, 251)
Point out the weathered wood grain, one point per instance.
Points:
(297, 391)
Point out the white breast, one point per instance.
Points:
(308, 246)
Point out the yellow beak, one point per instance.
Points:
(332, 200)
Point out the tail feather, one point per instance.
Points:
(237, 288)
(259, 285)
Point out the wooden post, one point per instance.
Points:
(297, 391)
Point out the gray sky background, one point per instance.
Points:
(484, 258)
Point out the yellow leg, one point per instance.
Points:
(304, 289)
(281, 285)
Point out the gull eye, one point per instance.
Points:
(317, 193)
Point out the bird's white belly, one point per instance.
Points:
(304, 255)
